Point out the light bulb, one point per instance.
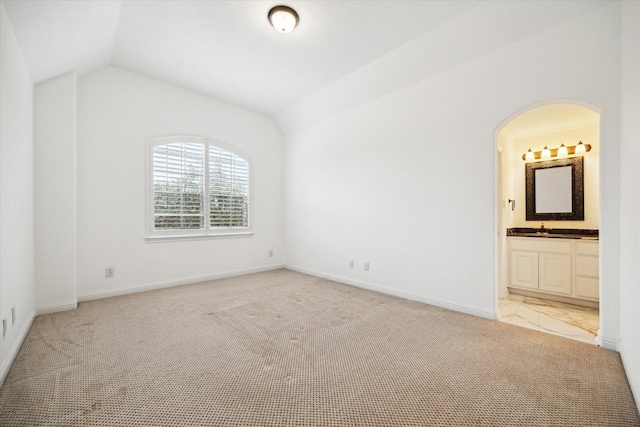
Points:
(530, 155)
(580, 148)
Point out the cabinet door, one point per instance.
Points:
(555, 273)
(524, 269)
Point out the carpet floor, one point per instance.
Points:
(286, 349)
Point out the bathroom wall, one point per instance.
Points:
(515, 173)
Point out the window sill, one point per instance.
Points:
(177, 238)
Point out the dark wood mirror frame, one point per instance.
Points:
(577, 190)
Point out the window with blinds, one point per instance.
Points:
(178, 186)
(228, 189)
(196, 188)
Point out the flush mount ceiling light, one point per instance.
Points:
(283, 18)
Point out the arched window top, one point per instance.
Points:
(197, 139)
(197, 186)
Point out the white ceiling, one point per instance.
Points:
(224, 49)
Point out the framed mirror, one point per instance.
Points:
(555, 190)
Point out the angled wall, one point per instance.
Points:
(55, 193)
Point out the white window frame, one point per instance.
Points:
(153, 235)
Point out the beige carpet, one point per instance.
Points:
(283, 348)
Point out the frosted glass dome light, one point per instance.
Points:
(530, 155)
(283, 18)
(562, 151)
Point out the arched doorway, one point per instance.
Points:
(547, 283)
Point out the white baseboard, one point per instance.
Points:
(463, 308)
(632, 374)
(608, 343)
(54, 308)
(88, 296)
(6, 365)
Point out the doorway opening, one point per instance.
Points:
(547, 274)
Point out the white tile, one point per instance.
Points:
(507, 308)
(514, 297)
(571, 321)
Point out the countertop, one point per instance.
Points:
(554, 233)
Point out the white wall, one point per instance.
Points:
(480, 31)
(516, 173)
(16, 194)
(406, 181)
(117, 111)
(630, 195)
(55, 193)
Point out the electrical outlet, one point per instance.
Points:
(4, 327)
(13, 315)
(366, 266)
(270, 253)
(109, 271)
(350, 264)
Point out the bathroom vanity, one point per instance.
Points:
(560, 264)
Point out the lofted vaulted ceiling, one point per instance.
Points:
(223, 49)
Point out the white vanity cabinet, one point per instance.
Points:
(587, 270)
(563, 267)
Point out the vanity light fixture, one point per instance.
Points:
(556, 152)
(283, 18)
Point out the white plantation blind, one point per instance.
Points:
(228, 189)
(178, 186)
(197, 188)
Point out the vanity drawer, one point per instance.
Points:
(534, 244)
(587, 288)
(584, 248)
(587, 266)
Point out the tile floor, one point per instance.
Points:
(568, 320)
